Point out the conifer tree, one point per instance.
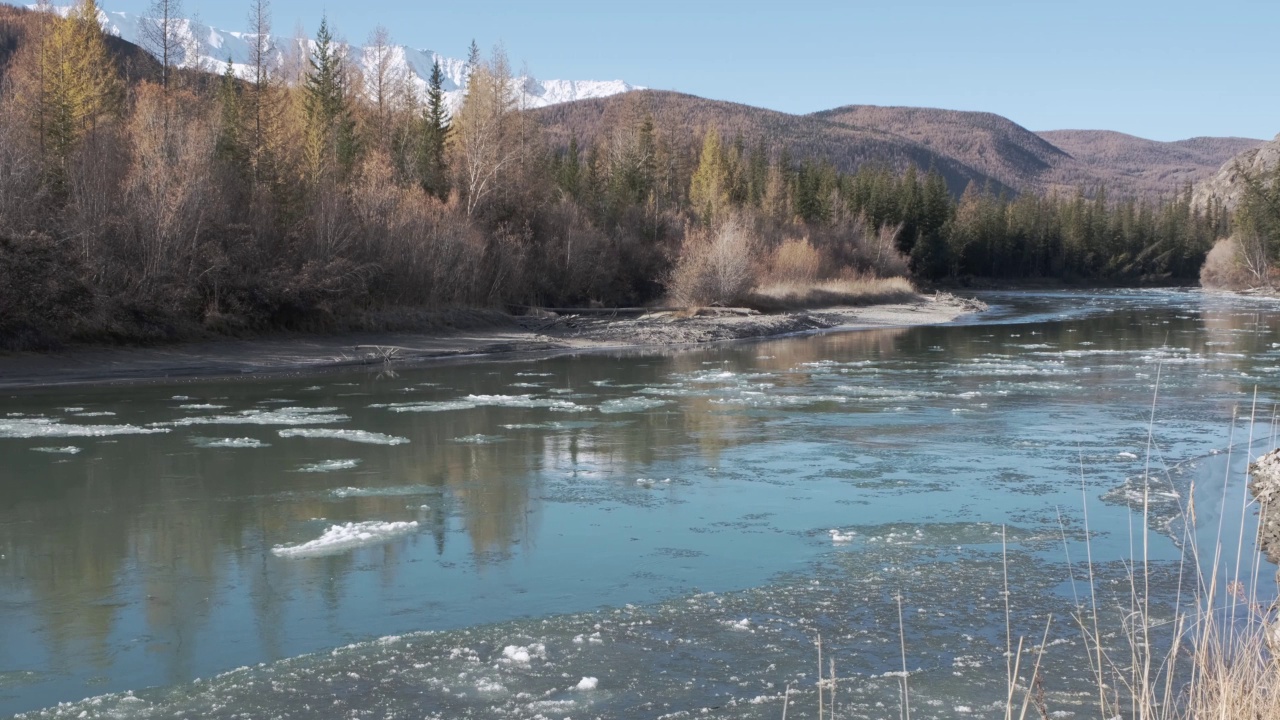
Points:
(434, 126)
(331, 129)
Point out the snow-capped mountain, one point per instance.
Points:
(211, 49)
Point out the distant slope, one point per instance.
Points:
(1124, 160)
(803, 136)
(991, 144)
(1225, 185)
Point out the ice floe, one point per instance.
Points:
(348, 536)
(631, 404)
(277, 416)
(329, 466)
(243, 442)
(357, 436)
(68, 450)
(31, 427)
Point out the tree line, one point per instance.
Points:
(306, 190)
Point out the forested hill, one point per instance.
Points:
(984, 148)
(1128, 161)
(804, 137)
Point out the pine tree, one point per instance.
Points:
(433, 170)
(330, 126)
(230, 148)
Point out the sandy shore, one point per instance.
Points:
(563, 333)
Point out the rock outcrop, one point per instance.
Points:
(1227, 185)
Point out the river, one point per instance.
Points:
(634, 534)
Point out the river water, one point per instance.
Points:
(641, 534)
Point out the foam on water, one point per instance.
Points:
(348, 536)
(36, 427)
(357, 436)
(325, 466)
(243, 442)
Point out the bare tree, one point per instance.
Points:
(386, 80)
(485, 141)
(162, 36)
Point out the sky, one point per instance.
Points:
(1165, 70)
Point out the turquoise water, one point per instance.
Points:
(481, 539)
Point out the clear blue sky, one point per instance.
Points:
(1166, 69)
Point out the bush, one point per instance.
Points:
(1225, 268)
(715, 268)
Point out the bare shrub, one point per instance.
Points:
(715, 267)
(794, 261)
(1227, 267)
(170, 188)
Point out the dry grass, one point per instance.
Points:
(850, 291)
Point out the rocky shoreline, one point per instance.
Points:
(536, 332)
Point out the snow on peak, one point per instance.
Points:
(211, 49)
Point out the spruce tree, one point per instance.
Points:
(331, 127)
(434, 130)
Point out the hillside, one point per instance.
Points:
(1125, 159)
(991, 144)
(803, 136)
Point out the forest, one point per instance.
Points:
(140, 202)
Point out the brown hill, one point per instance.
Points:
(686, 118)
(965, 146)
(991, 144)
(1126, 161)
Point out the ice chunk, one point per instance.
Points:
(44, 427)
(68, 450)
(479, 439)
(359, 436)
(244, 442)
(631, 404)
(840, 538)
(349, 536)
(394, 491)
(521, 655)
(329, 466)
(201, 406)
(587, 683)
(278, 416)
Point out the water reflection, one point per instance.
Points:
(146, 560)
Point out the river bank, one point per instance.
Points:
(534, 333)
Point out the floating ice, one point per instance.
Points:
(244, 442)
(394, 491)
(349, 536)
(201, 406)
(1127, 456)
(44, 427)
(98, 413)
(278, 416)
(479, 439)
(587, 683)
(329, 466)
(427, 406)
(631, 404)
(521, 655)
(68, 450)
(359, 436)
(840, 538)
